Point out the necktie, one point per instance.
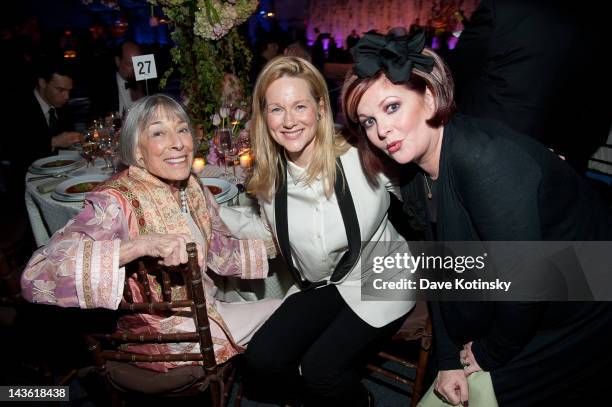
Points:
(53, 121)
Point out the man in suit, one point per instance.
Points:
(39, 121)
(36, 123)
(117, 91)
(528, 64)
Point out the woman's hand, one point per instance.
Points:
(170, 248)
(452, 387)
(468, 360)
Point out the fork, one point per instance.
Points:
(60, 175)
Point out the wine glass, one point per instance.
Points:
(234, 158)
(90, 149)
(108, 151)
(224, 144)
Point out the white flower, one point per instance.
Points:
(239, 114)
(216, 119)
(224, 112)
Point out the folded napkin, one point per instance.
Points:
(49, 185)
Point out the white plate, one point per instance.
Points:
(231, 194)
(219, 183)
(64, 198)
(38, 166)
(61, 191)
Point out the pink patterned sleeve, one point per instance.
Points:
(79, 266)
(228, 256)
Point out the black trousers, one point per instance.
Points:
(313, 349)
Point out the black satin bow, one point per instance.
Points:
(396, 56)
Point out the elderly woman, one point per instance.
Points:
(320, 207)
(151, 209)
(477, 180)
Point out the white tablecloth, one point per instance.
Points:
(48, 215)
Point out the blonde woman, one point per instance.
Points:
(318, 205)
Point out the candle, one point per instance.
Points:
(246, 160)
(198, 165)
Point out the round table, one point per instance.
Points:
(46, 214)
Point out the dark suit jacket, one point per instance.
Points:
(30, 136)
(533, 65)
(497, 185)
(104, 95)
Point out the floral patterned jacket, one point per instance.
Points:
(79, 267)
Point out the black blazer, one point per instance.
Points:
(496, 184)
(30, 137)
(527, 63)
(104, 95)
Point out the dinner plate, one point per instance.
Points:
(56, 164)
(217, 186)
(75, 189)
(231, 194)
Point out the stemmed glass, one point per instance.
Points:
(232, 155)
(224, 144)
(108, 151)
(90, 149)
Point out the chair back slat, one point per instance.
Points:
(197, 291)
(166, 286)
(134, 357)
(143, 278)
(155, 306)
(148, 338)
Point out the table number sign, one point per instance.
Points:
(144, 67)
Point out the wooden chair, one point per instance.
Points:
(124, 380)
(416, 327)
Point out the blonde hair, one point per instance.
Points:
(269, 155)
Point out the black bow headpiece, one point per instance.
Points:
(396, 56)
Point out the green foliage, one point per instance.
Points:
(207, 45)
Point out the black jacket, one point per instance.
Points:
(534, 65)
(497, 185)
(29, 137)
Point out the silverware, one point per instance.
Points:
(60, 175)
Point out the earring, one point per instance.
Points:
(318, 116)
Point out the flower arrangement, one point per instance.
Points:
(210, 54)
(226, 113)
(230, 118)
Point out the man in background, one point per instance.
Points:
(39, 121)
(116, 89)
(538, 66)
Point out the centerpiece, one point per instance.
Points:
(210, 54)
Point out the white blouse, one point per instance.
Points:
(316, 230)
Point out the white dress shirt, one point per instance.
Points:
(125, 96)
